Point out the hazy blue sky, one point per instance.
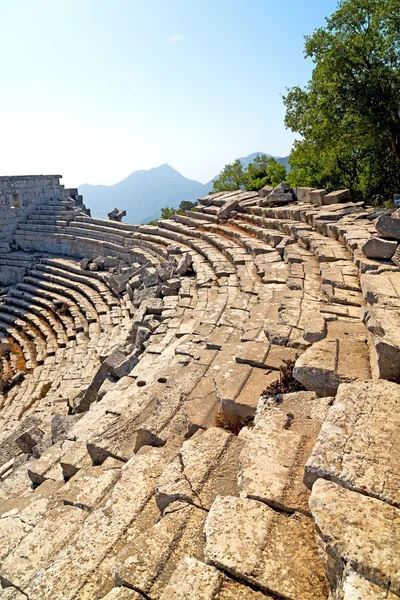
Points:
(94, 89)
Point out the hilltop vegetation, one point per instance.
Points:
(263, 170)
(348, 115)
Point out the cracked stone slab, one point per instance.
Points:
(358, 444)
(356, 587)
(195, 580)
(86, 489)
(324, 366)
(272, 461)
(384, 327)
(205, 466)
(148, 562)
(382, 288)
(123, 593)
(102, 529)
(359, 532)
(277, 553)
(41, 544)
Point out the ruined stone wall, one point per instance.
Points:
(19, 195)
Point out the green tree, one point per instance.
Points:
(349, 113)
(168, 212)
(231, 178)
(263, 170)
(187, 205)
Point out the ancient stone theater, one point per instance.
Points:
(207, 408)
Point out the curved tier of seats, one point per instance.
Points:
(180, 481)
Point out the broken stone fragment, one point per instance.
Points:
(116, 214)
(29, 439)
(379, 248)
(61, 424)
(184, 264)
(46, 467)
(388, 227)
(84, 264)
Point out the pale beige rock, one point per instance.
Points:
(87, 488)
(272, 463)
(384, 327)
(41, 544)
(274, 552)
(325, 365)
(148, 561)
(360, 532)
(193, 579)
(356, 587)
(208, 461)
(356, 445)
(103, 527)
(197, 581)
(123, 593)
(46, 467)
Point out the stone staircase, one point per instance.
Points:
(185, 479)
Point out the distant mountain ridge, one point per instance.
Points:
(144, 193)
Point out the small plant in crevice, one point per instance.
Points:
(286, 382)
(231, 422)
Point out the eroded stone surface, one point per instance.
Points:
(257, 544)
(361, 532)
(357, 446)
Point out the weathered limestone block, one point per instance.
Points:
(325, 365)
(387, 227)
(359, 532)
(198, 581)
(265, 191)
(276, 553)
(61, 424)
(29, 439)
(303, 193)
(315, 329)
(382, 288)
(43, 542)
(205, 466)
(147, 562)
(316, 196)
(377, 247)
(384, 327)
(88, 487)
(227, 208)
(46, 467)
(103, 528)
(123, 593)
(74, 457)
(184, 264)
(272, 463)
(355, 447)
(337, 196)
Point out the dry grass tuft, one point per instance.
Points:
(286, 382)
(230, 422)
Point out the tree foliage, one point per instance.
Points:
(349, 113)
(264, 170)
(168, 211)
